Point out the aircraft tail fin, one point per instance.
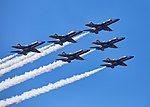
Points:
(18, 44)
(55, 34)
(90, 24)
(98, 41)
(106, 60)
(63, 53)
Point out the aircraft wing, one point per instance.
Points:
(35, 50)
(79, 58)
(107, 29)
(113, 46)
(123, 64)
(71, 40)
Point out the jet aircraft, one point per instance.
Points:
(26, 49)
(61, 39)
(95, 28)
(69, 57)
(106, 44)
(115, 62)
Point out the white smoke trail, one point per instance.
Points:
(21, 58)
(12, 66)
(31, 74)
(7, 58)
(44, 89)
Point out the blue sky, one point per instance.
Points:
(27, 21)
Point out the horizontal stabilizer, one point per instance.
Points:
(97, 47)
(64, 59)
(19, 52)
(18, 47)
(16, 51)
(56, 42)
(107, 65)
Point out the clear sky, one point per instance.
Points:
(27, 21)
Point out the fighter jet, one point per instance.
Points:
(95, 28)
(115, 62)
(107, 44)
(61, 39)
(26, 49)
(69, 57)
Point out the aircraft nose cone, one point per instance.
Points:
(80, 32)
(93, 42)
(59, 54)
(122, 38)
(131, 56)
(103, 60)
(43, 42)
(50, 36)
(117, 19)
(86, 50)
